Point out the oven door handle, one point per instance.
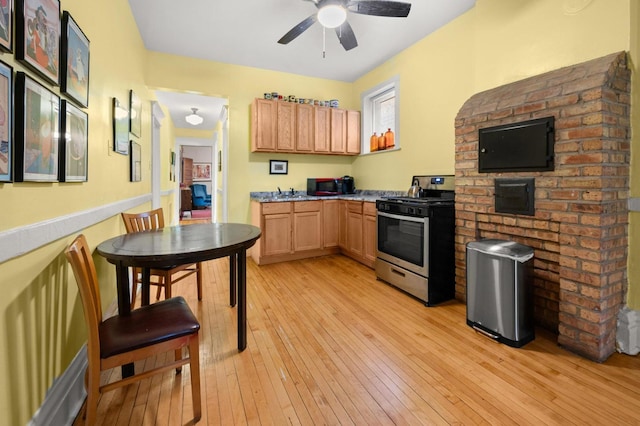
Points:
(402, 217)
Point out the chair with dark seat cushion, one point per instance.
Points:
(161, 277)
(200, 198)
(122, 339)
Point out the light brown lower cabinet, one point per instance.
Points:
(297, 230)
(307, 225)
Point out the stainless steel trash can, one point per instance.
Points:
(499, 290)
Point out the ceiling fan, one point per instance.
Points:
(333, 14)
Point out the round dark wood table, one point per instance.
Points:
(177, 245)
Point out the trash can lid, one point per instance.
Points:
(503, 248)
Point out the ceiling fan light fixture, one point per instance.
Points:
(332, 16)
(194, 119)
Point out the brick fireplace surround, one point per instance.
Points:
(579, 231)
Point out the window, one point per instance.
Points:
(380, 113)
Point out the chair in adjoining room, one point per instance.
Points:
(163, 277)
(200, 198)
(169, 325)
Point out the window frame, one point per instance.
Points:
(368, 100)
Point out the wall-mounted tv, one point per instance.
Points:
(526, 146)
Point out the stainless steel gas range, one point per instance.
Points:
(416, 240)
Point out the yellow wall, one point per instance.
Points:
(41, 320)
(633, 297)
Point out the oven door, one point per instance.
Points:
(402, 240)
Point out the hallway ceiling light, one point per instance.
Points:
(194, 119)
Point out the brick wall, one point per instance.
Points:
(579, 231)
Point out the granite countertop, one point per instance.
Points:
(360, 195)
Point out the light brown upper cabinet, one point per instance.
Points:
(278, 126)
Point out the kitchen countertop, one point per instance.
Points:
(360, 195)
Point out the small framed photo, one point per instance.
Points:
(201, 171)
(37, 120)
(75, 61)
(135, 162)
(278, 167)
(74, 143)
(120, 127)
(135, 107)
(38, 37)
(6, 25)
(6, 120)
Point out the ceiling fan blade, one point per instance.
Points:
(394, 9)
(346, 36)
(298, 29)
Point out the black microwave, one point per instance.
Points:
(324, 186)
(330, 186)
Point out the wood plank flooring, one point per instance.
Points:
(329, 344)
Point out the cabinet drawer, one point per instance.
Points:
(307, 206)
(275, 208)
(354, 206)
(369, 209)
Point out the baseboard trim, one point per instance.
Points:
(65, 397)
(628, 333)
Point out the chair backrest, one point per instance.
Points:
(199, 190)
(84, 270)
(137, 222)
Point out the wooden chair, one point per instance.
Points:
(160, 327)
(165, 277)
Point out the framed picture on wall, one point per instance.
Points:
(135, 108)
(6, 120)
(278, 167)
(6, 25)
(120, 127)
(38, 37)
(135, 162)
(201, 171)
(37, 118)
(74, 79)
(74, 143)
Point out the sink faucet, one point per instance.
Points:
(279, 191)
(292, 192)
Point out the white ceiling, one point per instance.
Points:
(246, 32)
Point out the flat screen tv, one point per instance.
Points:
(526, 146)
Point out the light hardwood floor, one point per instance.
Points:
(329, 344)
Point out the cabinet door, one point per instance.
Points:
(276, 234)
(354, 233)
(342, 224)
(322, 129)
(307, 231)
(330, 223)
(286, 126)
(264, 118)
(353, 132)
(370, 233)
(304, 128)
(338, 131)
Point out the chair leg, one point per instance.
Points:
(194, 364)
(134, 286)
(178, 355)
(92, 381)
(199, 279)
